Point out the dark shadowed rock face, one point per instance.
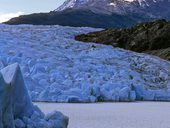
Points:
(152, 37)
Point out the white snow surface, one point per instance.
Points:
(56, 68)
(16, 108)
(72, 4)
(114, 115)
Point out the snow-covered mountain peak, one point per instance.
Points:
(147, 7)
(96, 3)
(71, 4)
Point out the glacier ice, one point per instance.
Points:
(56, 68)
(16, 108)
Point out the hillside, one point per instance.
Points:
(151, 37)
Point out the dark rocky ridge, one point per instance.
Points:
(79, 18)
(151, 37)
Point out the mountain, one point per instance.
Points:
(151, 37)
(99, 13)
(150, 8)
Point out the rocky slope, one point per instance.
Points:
(162, 53)
(152, 37)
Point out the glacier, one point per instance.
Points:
(56, 68)
(16, 108)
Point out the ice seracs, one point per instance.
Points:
(16, 108)
(56, 68)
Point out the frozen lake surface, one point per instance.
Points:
(114, 115)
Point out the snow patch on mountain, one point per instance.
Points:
(129, 0)
(112, 4)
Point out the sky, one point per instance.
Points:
(14, 8)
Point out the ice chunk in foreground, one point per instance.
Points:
(16, 108)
